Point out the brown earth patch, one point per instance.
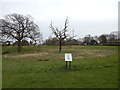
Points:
(43, 60)
(6, 52)
(32, 54)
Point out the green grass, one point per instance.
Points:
(92, 67)
(0, 68)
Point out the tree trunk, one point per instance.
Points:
(60, 46)
(19, 45)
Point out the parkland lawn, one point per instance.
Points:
(44, 67)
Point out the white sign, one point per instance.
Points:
(68, 57)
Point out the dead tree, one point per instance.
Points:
(18, 27)
(61, 35)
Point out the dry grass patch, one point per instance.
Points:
(32, 54)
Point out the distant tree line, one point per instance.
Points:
(104, 39)
(112, 39)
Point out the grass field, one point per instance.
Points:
(44, 67)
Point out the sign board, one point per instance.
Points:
(68, 57)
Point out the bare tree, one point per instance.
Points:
(18, 27)
(61, 35)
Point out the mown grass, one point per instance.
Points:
(96, 70)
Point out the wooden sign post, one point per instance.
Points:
(68, 58)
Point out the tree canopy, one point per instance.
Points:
(19, 27)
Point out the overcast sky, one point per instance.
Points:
(93, 17)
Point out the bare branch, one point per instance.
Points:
(61, 35)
